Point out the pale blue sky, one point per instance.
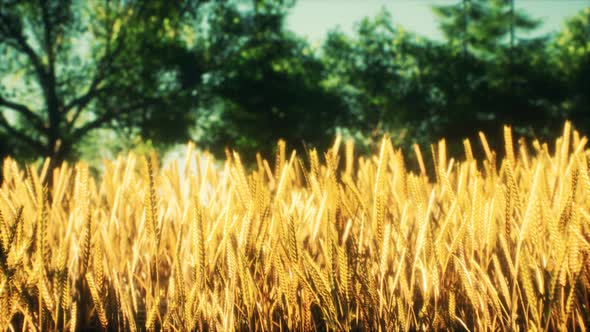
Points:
(314, 18)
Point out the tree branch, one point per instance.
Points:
(20, 44)
(35, 119)
(103, 69)
(84, 99)
(47, 33)
(20, 135)
(104, 119)
(82, 102)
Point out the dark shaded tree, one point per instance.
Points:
(78, 66)
(504, 76)
(569, 52)
(480, 26)
(266, 83)
(370, 71)
(484, 75)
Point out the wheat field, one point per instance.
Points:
(326, 242)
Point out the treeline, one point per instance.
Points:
(75, 74)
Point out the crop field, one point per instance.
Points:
(321, 241)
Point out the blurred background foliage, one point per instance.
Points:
(91, 78)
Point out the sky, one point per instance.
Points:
(314, 18)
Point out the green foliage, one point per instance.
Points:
(85, 78)
(369, 69)
(266, 84)
(485, 74)
(480, 26)
(78, 66)
(571, 55)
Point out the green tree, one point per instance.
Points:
(370, 71)
(507, 77)
(570, 54)
(265, 82)
(480, 26)
(71, 67)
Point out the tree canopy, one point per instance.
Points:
(230, 74)
(70, 67)
(266, 83)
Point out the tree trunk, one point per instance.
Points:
(58, 152)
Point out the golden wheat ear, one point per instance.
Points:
(370, 247)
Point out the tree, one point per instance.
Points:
(570, 54)
(480, 26)
(266, 83)
(70, 67)
(516, 83)
(370, 71)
